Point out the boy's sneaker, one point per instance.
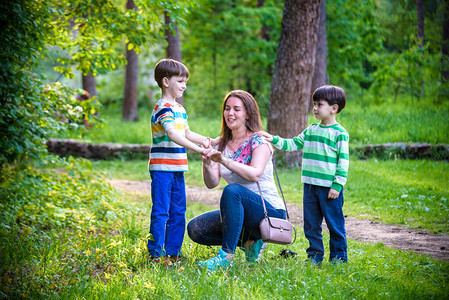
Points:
(255, 252)
(219, 261)
(156, 259)
(172, 260)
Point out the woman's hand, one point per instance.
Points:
(208, 153)
(211, 171)
(216, 156)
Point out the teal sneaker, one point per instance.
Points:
(216, 262)
(254, 253)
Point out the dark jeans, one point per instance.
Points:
(236, 222)
(316, 206)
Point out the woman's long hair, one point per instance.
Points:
(254, 122)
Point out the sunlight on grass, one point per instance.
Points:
(380, 190)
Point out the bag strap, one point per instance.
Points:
(277, 179)
(279, 184)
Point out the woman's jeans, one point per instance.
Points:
(237, 221)
(316, 206)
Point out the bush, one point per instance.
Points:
(37, 197)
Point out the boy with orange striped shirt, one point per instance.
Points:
(168, 162)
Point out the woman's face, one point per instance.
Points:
(234, 113)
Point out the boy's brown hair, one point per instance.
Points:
(168, 67)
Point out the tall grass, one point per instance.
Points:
(366, 124)
(139, 132)
(388, 123)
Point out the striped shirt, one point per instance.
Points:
(166, 155)
(325, 159)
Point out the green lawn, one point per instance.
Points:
(79, 239)
(405, 192)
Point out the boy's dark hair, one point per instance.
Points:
(168, 67)
(332, 95)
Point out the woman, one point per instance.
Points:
(242, 159)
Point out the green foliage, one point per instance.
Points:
(22, 37)
(353, 34)
(31, 111)
(89, 30)
(28, 120)
(74, 196)
(230, 46)
(406, 67)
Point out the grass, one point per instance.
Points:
(366, 124)
(101, 252)
(116, 131)
(111, 262)
(388, 123)
(404, 192)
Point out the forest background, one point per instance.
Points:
(66, 233)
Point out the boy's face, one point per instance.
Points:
(175, 86)
(323, 111)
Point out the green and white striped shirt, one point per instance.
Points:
(325, 159)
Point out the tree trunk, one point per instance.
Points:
(445, 47)
(89, 84)
(265, 31)
(173, 46)
(420, 17)
(129, 110)
(293, 71)
(320, 77)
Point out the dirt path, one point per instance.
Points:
(393, 236)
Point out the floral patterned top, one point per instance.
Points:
(243, 153)
(266, 181)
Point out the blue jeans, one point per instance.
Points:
(236, 222)
(316, 206)
(167, 214)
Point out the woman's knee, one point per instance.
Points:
(192, 230)
(232, 190)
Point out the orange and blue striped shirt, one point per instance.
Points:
(166, 155)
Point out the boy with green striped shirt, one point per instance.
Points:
(324, 172)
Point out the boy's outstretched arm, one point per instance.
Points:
(214, 142)
(182, 141)
(196, 138)
(293, 144)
